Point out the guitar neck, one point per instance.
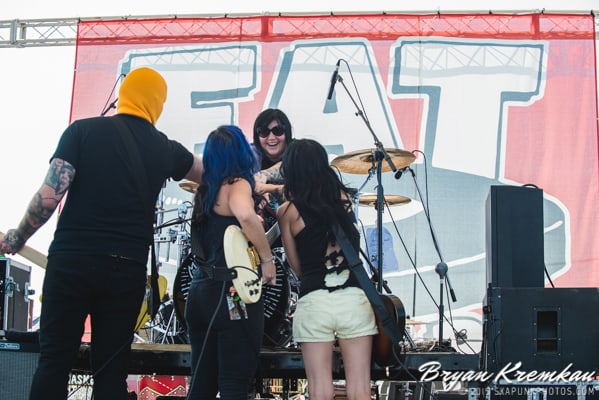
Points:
(273, 233)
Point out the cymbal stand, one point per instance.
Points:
(358, 192)
(379, 154)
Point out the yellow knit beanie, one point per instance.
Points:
(142, 93)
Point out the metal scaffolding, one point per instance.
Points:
(63, 31)
(36, 33)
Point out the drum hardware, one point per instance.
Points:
(371, 162)
(389, 199)
(362, 161)
(375, 161)
(165, 327)
(280, 301)
(189, 186)
(172, 236)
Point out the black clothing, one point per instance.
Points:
(72, 286)
(312, 243)
(224, 351)
(97, 259)
(103, 211)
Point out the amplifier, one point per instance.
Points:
(544, 329)
(514, 237)
(19, 361)
(15, 289)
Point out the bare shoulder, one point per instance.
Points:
(285, 210)
(282, 210)
(238, 184)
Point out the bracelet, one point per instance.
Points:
(267, 260)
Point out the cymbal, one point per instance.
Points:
(189, 186)
(414, 322)
(390, 199)
(361, 161)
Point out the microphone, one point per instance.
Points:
(333, 80)
(400, 172)
(110, 106)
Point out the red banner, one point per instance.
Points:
(482, 100)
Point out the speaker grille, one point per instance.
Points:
(17, 371)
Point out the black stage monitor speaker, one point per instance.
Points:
(545, 329)
(514, 237)
(18, 362)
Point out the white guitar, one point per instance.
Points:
(242, 255)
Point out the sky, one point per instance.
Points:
(37, 82)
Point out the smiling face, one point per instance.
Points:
(272, 145)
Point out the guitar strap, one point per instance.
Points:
(133, 158)
(391, 329)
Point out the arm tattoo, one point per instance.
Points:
(60, 176)
(38, 213)
(273, 175)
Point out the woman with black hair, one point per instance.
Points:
(272, 135)
(332, 306)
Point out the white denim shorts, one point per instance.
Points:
(323, 316)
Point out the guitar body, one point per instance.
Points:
(241, 255)
(382, 346)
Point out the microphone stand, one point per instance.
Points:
(378, 155)
(441, 268)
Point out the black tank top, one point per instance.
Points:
(207, 239)
(312, 243)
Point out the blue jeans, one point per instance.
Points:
(228, 360)
(110, 290)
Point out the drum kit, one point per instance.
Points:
(279, 299)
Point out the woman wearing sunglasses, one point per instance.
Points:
(272, 134)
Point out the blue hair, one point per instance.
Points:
(227, 156)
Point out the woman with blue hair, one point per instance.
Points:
(225, 333)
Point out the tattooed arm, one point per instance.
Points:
(269, 180)
(42, 206)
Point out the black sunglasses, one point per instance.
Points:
(278, 130)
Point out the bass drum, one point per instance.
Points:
(279, 300)
(279, 303)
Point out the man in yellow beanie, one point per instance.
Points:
(97, 259)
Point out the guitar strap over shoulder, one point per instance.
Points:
(367, 285)
(133, 158)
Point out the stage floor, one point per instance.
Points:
(175, 359)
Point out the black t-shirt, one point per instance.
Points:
(104, 213)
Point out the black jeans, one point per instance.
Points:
(228, 359)
(111, 291)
